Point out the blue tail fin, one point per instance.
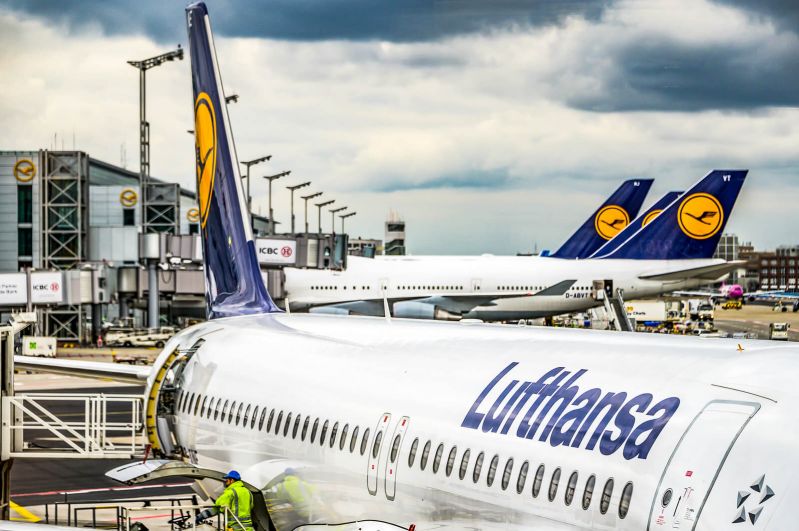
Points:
(636, 224)
(690, 227)
(607, 221)
(233, 280)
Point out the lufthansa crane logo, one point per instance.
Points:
(128, 197)
(649, 217)
(205, 150)
(700, 216)
(610, 221)
(24, 170)
(193, 215)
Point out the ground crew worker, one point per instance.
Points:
(237, 499)
(298, 493)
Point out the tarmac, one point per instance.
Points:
(756, 318)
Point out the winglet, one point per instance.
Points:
(608, 220)
(691, 226)
(233, 280)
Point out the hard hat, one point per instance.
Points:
(233, 475)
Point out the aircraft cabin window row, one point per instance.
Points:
(572, 485)
(319, 288)
(426, 287)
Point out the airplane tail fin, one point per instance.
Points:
(608, 220)
(642, 220)
(233, 281)
(691, 226)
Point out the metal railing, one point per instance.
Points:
(108, 513)
(35, 430)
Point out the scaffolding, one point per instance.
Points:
(161, 207)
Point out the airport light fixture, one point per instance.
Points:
(306, 198)
(333, 212)
(320, 206)
(271, 178)
(292, 188)
(249, 163)
(343, 217)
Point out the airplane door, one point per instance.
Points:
(695, 463)
(394, 451)
(375, 452)
(476, 285)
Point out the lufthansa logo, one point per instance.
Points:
(193, 215)
(24, 170)
(649, 217)
(700, 216)
(128, 197)
(205, 149)
(610, 221)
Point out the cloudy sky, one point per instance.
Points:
(489, 126)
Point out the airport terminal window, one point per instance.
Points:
(395, 449)
(296, 426)
(451, 460)
(25, 204)
(128, 217)
(333, 433)
(522, 477)
(425, 455)
(376, 445)
(246, 415)
(278, 421)
(365, 441)
(464, 464)
(238, 413)
(437, 458)
(323, 435)
(624, 503)
(354, 439)
(607, 492)
(343, 441)
(305, 428)
(492, 470)
(314, 429)
(554, 482)
(262, 418)
(538, 480)
(588, 493)
(507, 473)
(571, 486)
(478, 467)
(287, 426)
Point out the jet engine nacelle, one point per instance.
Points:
(423, 310)
(330, 310)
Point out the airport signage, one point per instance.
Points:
(274, 251)
(47, 287)
(13, 289)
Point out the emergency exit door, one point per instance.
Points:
(375, 451)
(695, 463)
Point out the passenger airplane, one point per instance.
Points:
(395, 424)
(672, 251)
(725, 292)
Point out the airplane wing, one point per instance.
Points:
(86, 369)
(707, 272)
(697, 293)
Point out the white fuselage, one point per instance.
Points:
(419, 277)
(700, 419)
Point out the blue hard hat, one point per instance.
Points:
(233, 475)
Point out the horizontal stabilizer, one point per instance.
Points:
(84, 369)
(706, 272)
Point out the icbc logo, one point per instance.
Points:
(286, 251)
(54, 286)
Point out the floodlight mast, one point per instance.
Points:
(333, 212)
(306, 198)
(320, 206)
(271, 178)
(249, 163)
(345, 216)
(292, 189)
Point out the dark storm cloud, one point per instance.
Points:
(783, 13)
(669, 76)
(400, 21)
(475, 179)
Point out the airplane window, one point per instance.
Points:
(522, 477)
(246, 415)
(223, 414)
(261, 419)
(492, 470)
(277, 423)
(412, 453)
(376, 445)
(296, 426)
(553, 484)
(571, 486)
(607, 492)
(216, 408)
(205, 403)
(179, 401)
(507, 473)
(588, 493)
(364, 441)
(478, 467)
(464, 464)
(230, 413)
(451, 460)
(624, 504)
(238, 413)
(354, 439)
(395, 449)
(324, 433)
(313, 431)
(254, 417)
(305, 428)
(188, 406)
(197, 405)
(333, 433)
(425, 455)
(538, 480)
(269, 422)
(343, 441)
(210, 409)
(437, 457)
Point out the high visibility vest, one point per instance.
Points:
(238, 501)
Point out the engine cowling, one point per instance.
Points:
(423, 310)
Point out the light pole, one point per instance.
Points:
(249, 163)
(343, 217)
(271, 178)
(333, 212)
(292, 188)
(306, 198)
(320, 206)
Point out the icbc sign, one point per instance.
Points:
(46, 287)
(275, 251)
